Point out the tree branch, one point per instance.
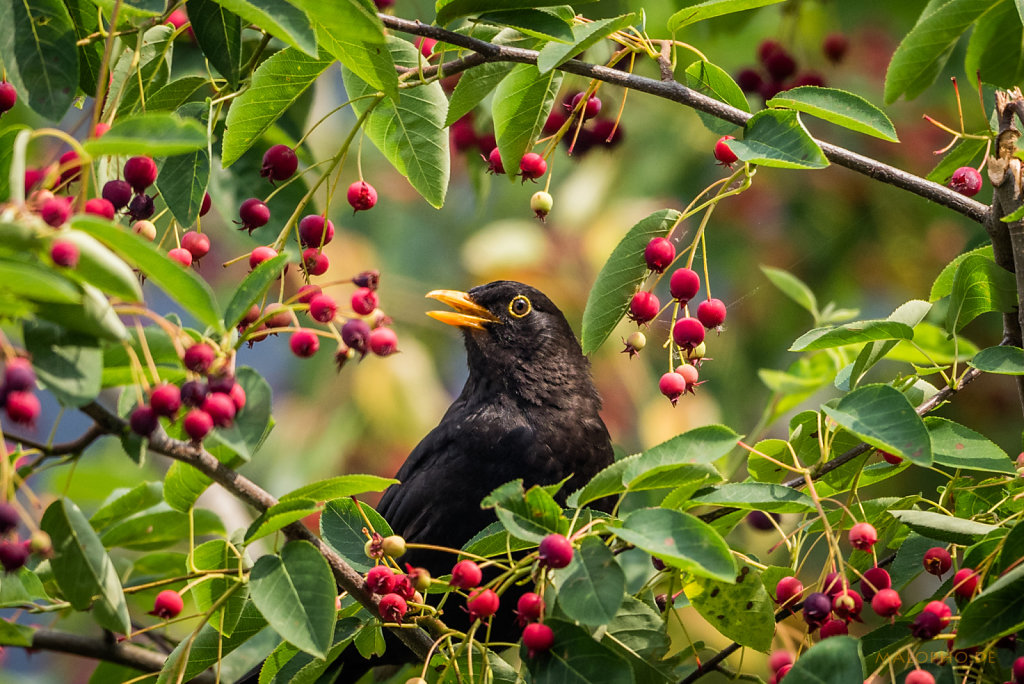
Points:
(75, 446)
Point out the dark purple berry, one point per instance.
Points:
(19, 376)
(199, 358)
(926, 625)
(834, 47)
(143, 421)
(8, 518)
(749, 80)
(356, 335)
(13, 555)
(118, 193)
(141, 207)
(193, 393)
(817, 608)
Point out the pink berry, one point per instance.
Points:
(100, 128)
(315, 231)
(482, 603)
(322, 308)
(782, 672)
(874, 580)
(392, 608)
(965, 582)
(383, 341)
(834, 47)
(937, 561)
(691, 375)
(55, 211)
(198, 244)
(143, 421)
(891, 459)
(1018, 670)
(688, 333)
(64, 253)
(529, 608)
(465, 575)
(591, 109)
(199, 357)
(778, 659)
(919, 677)
(237, 395)
(863, 536)
(22, 407)
(253, 213)
(361, 196)
(220, 408)
(672, 385)
(494, 163)
(380, 579)
(940, 609)
(168, 604)
(724, 155)
(644, 307)
(307, 292)
(834, 628)
(364, 301)
(181, 255)
(966, 180)
(72, 168)
(711, 313)
(261, 254)
(538, 638)
(278, 315)
(659, 253)
(684, 284)
(8, 96)
(98, 206)
(315, 262)
(204, 208)
(555, 551)
(140, 172)
(197, 424)
(165, 400)
(426, 45)
(304, 343)
(886, 602)
(787, 589)
(279, 163)
(532, 166)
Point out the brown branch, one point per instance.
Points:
(75, 446)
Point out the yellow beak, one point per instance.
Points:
(467, 314)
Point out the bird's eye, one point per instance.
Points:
(519, 306)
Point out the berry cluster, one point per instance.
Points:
(17, 392)
(777, 70)
(14, 551)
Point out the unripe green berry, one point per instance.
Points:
(541, 204)
(637, 340)
(393, 546)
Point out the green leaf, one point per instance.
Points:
(252, 288)
(9, 169)
(520, 107)
(778, 138)
(125, 502)
(710, 9)
(409, 132)
(221, 556)
(159, 527)
(757, 496)
(620, 277)
(341, 527)
(218, 32)
(280, 19)
(1004, 360)
(680, 540)
(157, 134)
(943, 527)
(39, 51)
(740, 609)
(763, 470)
(286, 665)
(638, 629)
(494, 540)
(792, 287)
(923, 52)
(245, 436)
(958, 446)
(453, 9)
(883, 417)
(857, 332)
(339, 487)
(183, 178)
(713, 81)
(979, 286)
(1015, 215)
(605, 483)
(546, 24)
(183, 485)
(26, 279)
(836, 660)
(94, 316)
(68, 363)
(365, 59)
(584, 36)
(965, 153)
(295, 592)
(82, 568)
(176, 93)
(477, 82)
(593, 585)
(190, 658)
(181, 284)
(276, 84)
(280, 515)
(995, 612)
(995, 49)
(943, 284)
(697, 447)
(99, 266)
(139, 72)
(530, 515)
(575, 658)
(21, 587)
(839, 107)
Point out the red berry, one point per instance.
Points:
(304, 343)
(684, 284)
(644, 307)
(847, 604)
(532, 166)
(787, 589)
(891, 459)
(1018, 670)
(198, 244)
(555, 551)
(204, 208)
(261, 254)
(965, 582)
(55, 211)
(426, 45)
(279, 163)
(711, 313)
(220, 408)
(383, 341)
(465, 575)
(361, 196)
(35, 177)
(22, 407)
(315, 262)
(392, 608)
(782, 672)
(672, 385)
(193, 393)
(364, 301)
(165, 400)
(529, 608)
(197, 424)
(237, 394)
(937, 561)
(140, 172)
(778, 659)
(749, 80)
(199, 357)
(463, 136)
(322, 308)
(886, 602)
(834, 584)
(98, 206)
(101, 128)
(177, 18)
(307, 292)
(863, 536)
(141, 207)
(143, 421)
(254, 214)
(591, 109)
(8, 96)
(659, 253)
(494, 164)
(482, 603)
(874, 580)
(919, 677)
(380, 579)
(538, 638)
(64, 253)
(834, 47)
(182, 256)
(834, 628)
(356, 335)
(278, 315)
(725, 155)
(315, 231)
(13, 555)
(940, 609)
(817, 608)
(70, 165)
(688, 333)
(966, 180)
(779, 64)
(168, 604)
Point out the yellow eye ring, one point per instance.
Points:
(519, 306)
